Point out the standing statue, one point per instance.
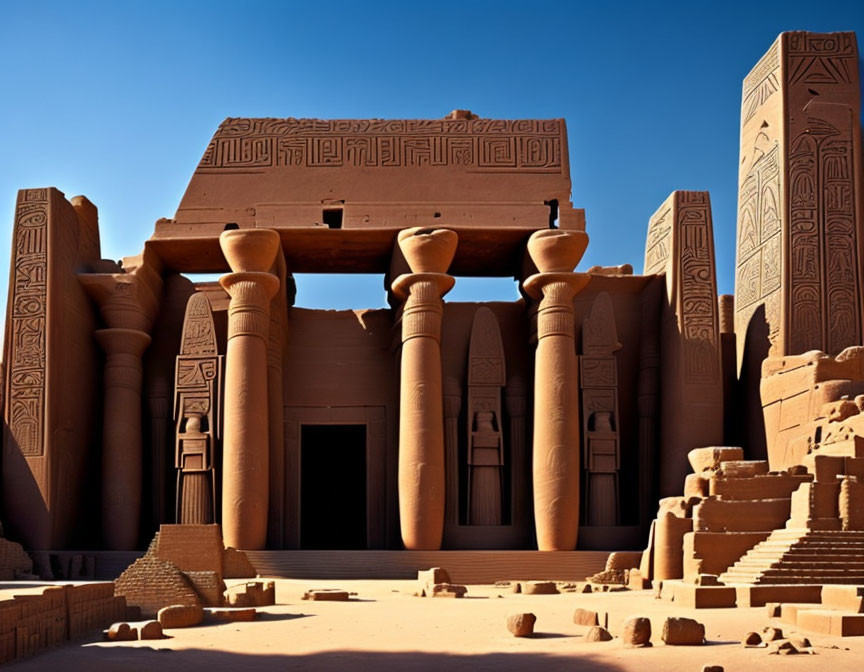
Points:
(197, 389)
(600, 412)
(486, 377)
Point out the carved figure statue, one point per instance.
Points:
(198, 384)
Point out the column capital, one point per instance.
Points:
(428, 250)
(250, 249)
(125, 300)
(249, 308)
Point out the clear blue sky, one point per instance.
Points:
(117, 100)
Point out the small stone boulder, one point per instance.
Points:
(637, 632)
(598, 634)
(586, 617)
(704, 459)
(782, 647)
(180, 616)
(678, 631)
(326, 595)
(447, 590)
(121, 632)
(223, 615)
(770, 634)
(151, 630)
(539, 588)
(429, 577)
(712, 668)
(521, 625)
(751, 640)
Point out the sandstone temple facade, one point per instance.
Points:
(134, 396)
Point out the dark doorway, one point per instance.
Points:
(333, 487)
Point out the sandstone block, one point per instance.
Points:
(586, 617)
(447, 590)
(843, 598)
(236, 565)
(636, 581)
(782, 647)
(709, 459)
(683, 632)
(598, 634)
(774, 609)
(771, 634)
(621, 560)
(521, 625)
(429, 577)
(743, 468)
(539, 588)
(252, 594)
(231, 615)
(707, 580)
(121, 632)
(712, 668)
(326, 595)
(637, 632)
(151, 630)
(180, 616)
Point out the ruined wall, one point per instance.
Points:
(681, 244)
(800, 208)
(52, 370)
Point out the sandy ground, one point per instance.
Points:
(385, 627)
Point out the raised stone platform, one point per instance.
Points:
(464, 567)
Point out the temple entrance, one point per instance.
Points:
(333, 487)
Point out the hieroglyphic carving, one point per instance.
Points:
(658, 247)
(477, 144)
(797, 234)
(28, 297)
(698, 312)
(599, 382)
(197, 389)
(486, 377)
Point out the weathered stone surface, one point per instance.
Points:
(623, 560)
(150, 583)
(180, 616)
(752, 639)
(709, 459)
(326, 595)
(770, 634)
(447, 590)
(539, 588)
(151, 630)
(14, 561)
(678, 631)
(209, 586)
(252, 594)
(586, 617)
(598, 634)
(637, 632)
(521, 625)
(121, 632)
(236, 565)
(231, 615)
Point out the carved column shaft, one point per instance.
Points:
(245, 454)
(421, 413)
(121, 435)
(557, 456)
(517, 405)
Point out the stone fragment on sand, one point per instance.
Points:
(447, 590)
(800, 643)
(231, 615)
(770, 634)
(151, 630)
(637, 632)
(752, 639)
(598, 634)
(252, 594)
(516, 587)
(326, 595)
(586, 617)
(586, 588)
(180, 616)
(712, 668)
(426, 578)
(774, 609)
(679, 631)
(521, 625)
(782, 647)
(539, 588)
(121, 632)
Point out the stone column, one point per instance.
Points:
(556, 387)
(245, 449)
(421, 414)
(128, 303)
(452, 406)
(121, 435)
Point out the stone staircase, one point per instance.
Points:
(800, 556)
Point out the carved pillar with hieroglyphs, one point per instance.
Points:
(800, 206)
(680, 244)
